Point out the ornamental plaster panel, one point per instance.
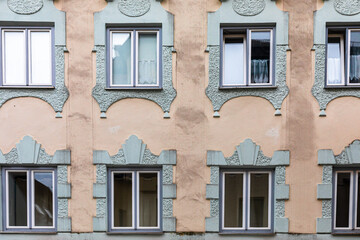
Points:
(134, 8)
(347, 7)
(248, 7)
(25, 6)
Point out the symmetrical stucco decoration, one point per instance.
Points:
(333, 11)
(29, 153)
(349, 157)
(347, 7)
(248, 155)
(136, 16)
(248, 7)
(50, 16)
(225, 16)
(25, 6)
(134, 154)
(134, 8)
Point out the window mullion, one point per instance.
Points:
(247, 199)
(135, 56)
(248, 56)
(27, 56)
(30, 198)
(347, 56)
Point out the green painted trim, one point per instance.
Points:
(323, 225)
(324, 191)
(249, 155)
(134, 153)
(326, 157)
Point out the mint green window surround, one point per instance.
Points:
(134, 155)
(348, 160)
(142, 15)
(248, 156)
(29, 154)
(244, 14)
(38, 14)
(333, 14)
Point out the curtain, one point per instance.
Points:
(147, 72)
(355, 68)
(260, 71)
(333, 71)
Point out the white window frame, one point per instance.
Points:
(137, 84)
(348, 56)
(342, 59)
(350, 200)
(29, 62)
(246, 201)
(270, 60)
(30, 198)
(26, 31)
(111, 58)
(135, 200)
(243, 36)
(357, 175)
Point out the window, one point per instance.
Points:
(246, 201)
(30, 199)
(134, 58)
(247, 57)
(135, 200)
(347, 204)
(343, 57)
(27, 57)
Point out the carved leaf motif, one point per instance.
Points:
(248, 7)
(25, 6)
(134, 8)
(347, 7)
(134, 150)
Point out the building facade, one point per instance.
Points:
(165, 119)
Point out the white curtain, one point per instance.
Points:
(333, 71)
(147, 72)
(355, 68)
(260, 71)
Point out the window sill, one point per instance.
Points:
(29, 232)
(249, 87)
(135, 233)
(342, 87)
(251, 233)
(27, 87)
(357, 232)
(133, 88)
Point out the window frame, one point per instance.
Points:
(31, 227)
(246, 229)
(27, 30)
(354, 174)
(247, 62)
(135, 228)
(134, 57)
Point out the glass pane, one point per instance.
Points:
(43, 208)
(259, 200)
(234, 51)
(354, 57)
(260, 57)
(14, 58)
(233, 202)
(122, 200)
(121, 58)
(41, 61)
(148, 200)
(334, 69)
(147, 59)
(343, 199)
(358, 202)
(17, 193)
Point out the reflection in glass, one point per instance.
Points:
(148, 199)
(234, 61)
(233, 202)
(334, 72)
(122, 200)
(147, 58)
(121, 58)
(343, 200)
(17, 193)
(354, 57)
(260, 57)
(259, 200)
(43, 208)
(41, 63)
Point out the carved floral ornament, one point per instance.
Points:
(248, 7)
(25, 7)
(347, 7)
(134, 8)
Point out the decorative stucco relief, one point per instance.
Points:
(134, 8)
(248, 7)
(347, 7)
(25, 6)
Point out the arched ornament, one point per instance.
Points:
(248, 7)
(347, 7)
(25, 7)
(134, 8)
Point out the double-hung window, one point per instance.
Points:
(135, 200)
(346, 202)
(246, 201)
(247, 57)
(343, 57)
(26, 57)
(134, 58)
(30, 198)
